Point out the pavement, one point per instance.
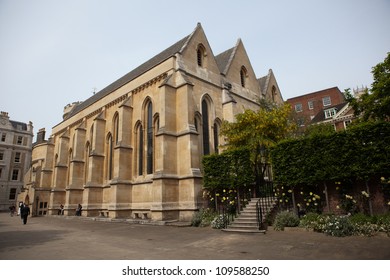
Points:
(80, 238)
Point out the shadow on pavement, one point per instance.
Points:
(15, 239)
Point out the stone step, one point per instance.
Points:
(243, 230)
(246, 222)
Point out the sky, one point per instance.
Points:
(53, 53)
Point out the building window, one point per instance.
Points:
(206, 131)
(149, 139)
(15, 175)
(140, 150)
(19, 141)
(17, 157)
(109, 156)
(243, 74)
(310, 104)
(298, 107)
(301, 122)
(12, 194)
(1, 155)
(1, 172)
(3, 137)
(330, 113)
(200, 53)
(326, 101)
(116, 129)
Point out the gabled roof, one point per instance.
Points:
(225, 58)
(178, 47)
(320, 117)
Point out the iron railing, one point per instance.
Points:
(259, 214)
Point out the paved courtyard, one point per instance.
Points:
(75, 238)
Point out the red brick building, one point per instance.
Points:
(307, 106)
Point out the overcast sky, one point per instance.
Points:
(56, 52)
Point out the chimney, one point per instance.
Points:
(41, 136)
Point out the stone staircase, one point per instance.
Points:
(246, 222)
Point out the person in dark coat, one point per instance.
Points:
(24, 212)
(78, 210)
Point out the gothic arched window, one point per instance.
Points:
(140, 150)
(200, 54)
(206, 129)
(149, 139)
(109, 156)
(243, 74)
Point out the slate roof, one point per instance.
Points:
(154, 61)
(321, 115)
(223, 60)
(15, 124)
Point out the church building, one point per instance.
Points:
(134, 149)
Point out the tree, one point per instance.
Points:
(374, 105)
(258, 132)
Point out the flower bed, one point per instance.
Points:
(340, 226)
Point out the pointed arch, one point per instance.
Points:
(149, 138)
(109, 156)
(243, 76)
(200, 55)
(115, 127)
(69, 160)
(207, 110)
(86, 161)
(139, 139)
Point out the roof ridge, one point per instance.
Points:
(136, 72)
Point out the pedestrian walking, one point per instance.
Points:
(12, 210)
(24, 212)
(61, 210)
(78, 210)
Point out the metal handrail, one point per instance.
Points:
(259, 215)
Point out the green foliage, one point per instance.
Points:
(218, 222)
(358, 224)
(310, 221)
(374, 105)
(339, 226)
(258, 132)
(285, 219)
(360, 152)
(385, 183)
(226, 175)
(203, 217)
(319, 129)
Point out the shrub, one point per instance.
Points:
(310, 220)
(338, 226)
(218, 222)
(285, 219)
(203, 217)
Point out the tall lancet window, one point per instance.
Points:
(109, 156)
(243, 76)
(140, 150)
(205, 125)
(149, 139)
